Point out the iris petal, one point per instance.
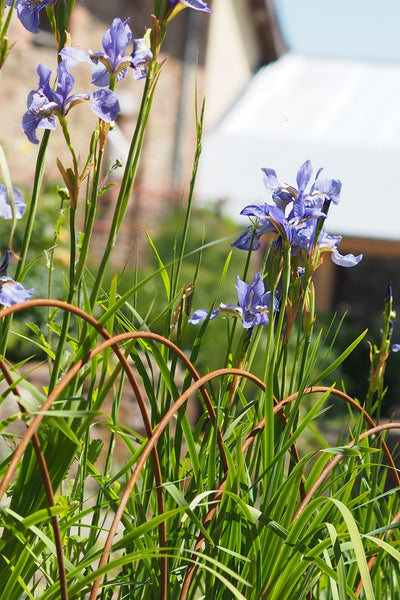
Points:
(28, 13)
(12, 292)
(5, 205)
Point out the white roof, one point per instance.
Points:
(343, 115)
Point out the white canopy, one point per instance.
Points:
(343, 115)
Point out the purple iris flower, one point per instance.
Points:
(112, 60)
(304, 240)
(253, 305)
(296, 215)
(5, 205)
(44, 104)
(11, 292)
(249, 239)
(283, 194)
(175, 6)
(28, 12)
(290, 206)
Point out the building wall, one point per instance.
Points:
(233, 53)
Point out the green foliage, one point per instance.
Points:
(151, 458)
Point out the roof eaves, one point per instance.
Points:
(265, 21)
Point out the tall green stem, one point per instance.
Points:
(128, 178)
(76, 270)
(37, 184)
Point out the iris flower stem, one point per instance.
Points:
(90, 219)
(72, 259)
(295, 361)
(302, 341)
(19, 273)
(376, 391)
(70, 6)
(128, 178)
(282, 360)
(37, 184)
(285, 279)
(176, 268)
(4, 28)
(76, 272)
(268, 441)
(157, 8)
(199, 130)
(50, 269)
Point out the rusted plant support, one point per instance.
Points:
(305, 497)
(218, 495)
(112, 342)
(31, 430)
(47, 486)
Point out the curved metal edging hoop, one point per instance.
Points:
(44, 471)
(150, 448)
(59, 387)
(113, 343)
(250, 439)
(147, 450)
